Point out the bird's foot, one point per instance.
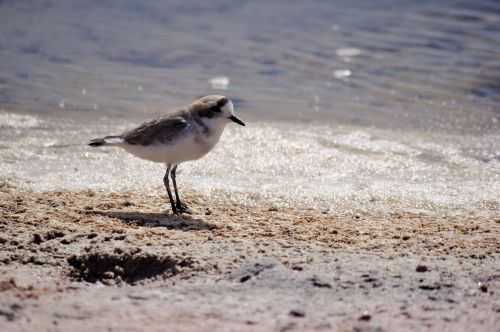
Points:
(182, 208)
(174, 210)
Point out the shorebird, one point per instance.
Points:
(186, 134)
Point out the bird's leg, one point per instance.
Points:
(167, 186)
(181, 207)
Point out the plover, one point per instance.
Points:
(184, 135)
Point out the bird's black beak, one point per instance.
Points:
(235, 119)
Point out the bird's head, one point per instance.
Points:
(216, 108)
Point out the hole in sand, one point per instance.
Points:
(123, 266)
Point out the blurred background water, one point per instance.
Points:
(417, 82)
(410, 63)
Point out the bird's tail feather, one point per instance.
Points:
(106, 141)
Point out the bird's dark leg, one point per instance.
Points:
(181, 207)
(167, 186)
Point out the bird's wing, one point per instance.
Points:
(162, 130)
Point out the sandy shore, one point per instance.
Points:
(91, 260)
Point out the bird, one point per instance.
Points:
(186, 134)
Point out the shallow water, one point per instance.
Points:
(352, 104)
(395, 64)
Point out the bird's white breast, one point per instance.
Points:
(191, 146)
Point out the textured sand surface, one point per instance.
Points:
(95, 260)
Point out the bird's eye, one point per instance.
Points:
(216, 109)
(208, 113)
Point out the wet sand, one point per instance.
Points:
(91, 260)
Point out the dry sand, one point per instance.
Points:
(118, 261)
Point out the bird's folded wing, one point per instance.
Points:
(162, 130)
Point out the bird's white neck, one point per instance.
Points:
(212, 130)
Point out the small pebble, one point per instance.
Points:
(319, 283)
(482, 287)
(297, 313)
(119, 270)
(365, 317)
(422, 268)
(245, 278)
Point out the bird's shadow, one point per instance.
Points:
(151, 219)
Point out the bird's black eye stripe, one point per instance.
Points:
(215, 109)
(222, 102)
(208, 113)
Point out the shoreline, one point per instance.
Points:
(239, 267)
(334, 167)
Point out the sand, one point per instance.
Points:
(89, 260)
